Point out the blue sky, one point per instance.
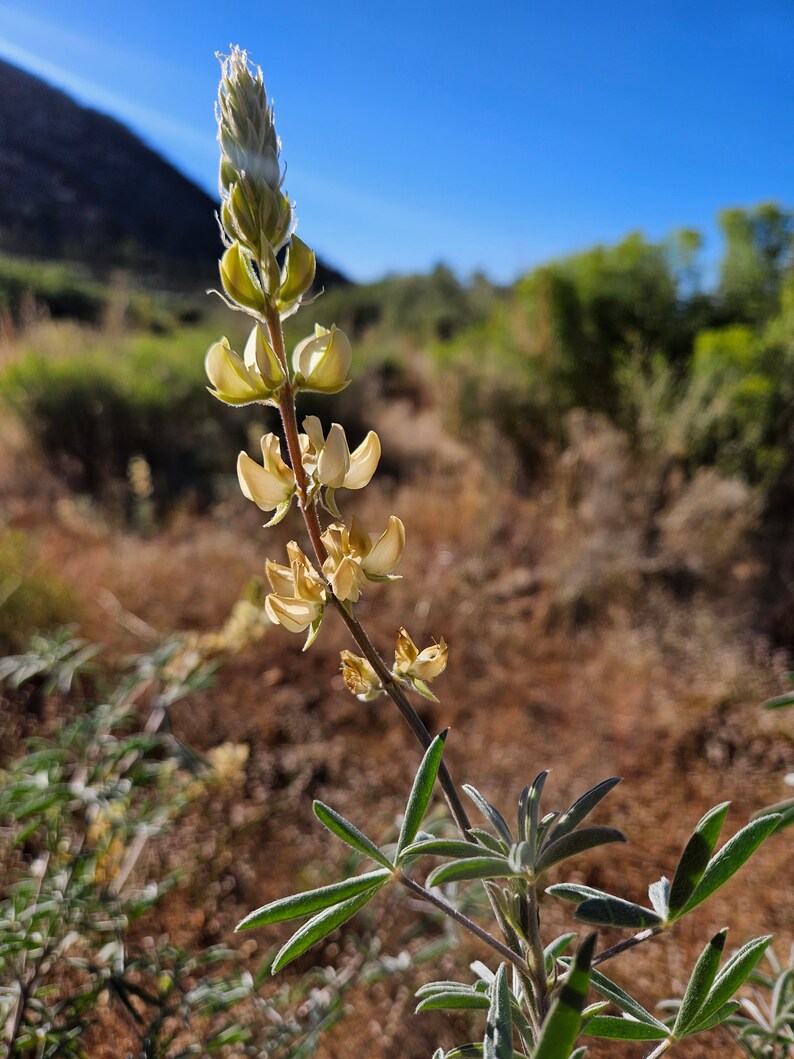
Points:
(489, 137)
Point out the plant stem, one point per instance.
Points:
(469, 924)
(536, 960)
(665, 1046)
(629, 943)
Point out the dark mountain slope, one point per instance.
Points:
(77, 185)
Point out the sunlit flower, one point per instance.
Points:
(299, 595)
(321, 361)
(330, 460)
(413, 664)
(239, 380)
(271, 485)
(355, 556)
(359, 677)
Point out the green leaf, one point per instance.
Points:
(443, 847)
(615, 912)
(715, 1018)
(734, 974)
(498, 1040)
(700, 982)
(582, 808)
(471, 868)
(420, 795)
(574, 891)
(556, 948)
(455, 999)
(320, 927)
(730, 858)
(492, 815)
(615, 1028)
(564, 1019)
(305, 904)
(695, 857)
(579, 1053)
(523, 815)
(779, 701)
(577, 842)
(784, 809)
(496, 845)
(447, 986)
(533, 806)
(350, 834)
(606, 987)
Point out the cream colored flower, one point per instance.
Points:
(355, 556)
(413, 664)
(359, 677)
(271, 485)
(260, 360)
(298, 597)
(235, 381)
(330, 460)
(321, 361)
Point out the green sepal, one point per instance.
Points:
(730, 858)
(700, 982)
(320, 927)
(420, 795)
(350, 834)
(577, 842)
(314, 631)
(695, 857)
(329, 503)
(305, 904)
(564, 1020)
(280, 513)
(416, 683)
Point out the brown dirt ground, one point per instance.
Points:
(620, 674)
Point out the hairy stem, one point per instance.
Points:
(629, 943)
(665, 1046)
(536, 958)
(474, 928)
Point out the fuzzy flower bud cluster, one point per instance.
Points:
(266, 271)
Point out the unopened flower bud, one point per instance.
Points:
(321, 361)
(239, 279)
(297, 275)
(260, 359)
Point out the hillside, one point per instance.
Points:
(77, 185)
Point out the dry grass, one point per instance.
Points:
(600, 626)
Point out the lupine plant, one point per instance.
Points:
(534, 999)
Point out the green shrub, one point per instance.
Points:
(31, 595)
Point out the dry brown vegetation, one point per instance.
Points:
(601, 623)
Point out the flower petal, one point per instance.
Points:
(363, 462)
(386, 552)
(334, 461)
(294, 614)
(257, 484)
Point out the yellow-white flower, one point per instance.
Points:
(321, 361)
(271, 485)
(298, 597)
(240, 380)
(413, 664)
(359, 677)
(330, 460)
(355, 556)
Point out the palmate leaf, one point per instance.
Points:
(420, 795)
(498, 1040)
(715, 1018)
(695, 857)
(582, 808)
(299, 905)
(730, 858)
(492, 815)
(320, 927)
(576, 842)
(733, 975)
(350, 834)
(472, 868)
(700, 982)
(617, 1028)
(564, 1020)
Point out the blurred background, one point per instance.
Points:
(561, 241)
